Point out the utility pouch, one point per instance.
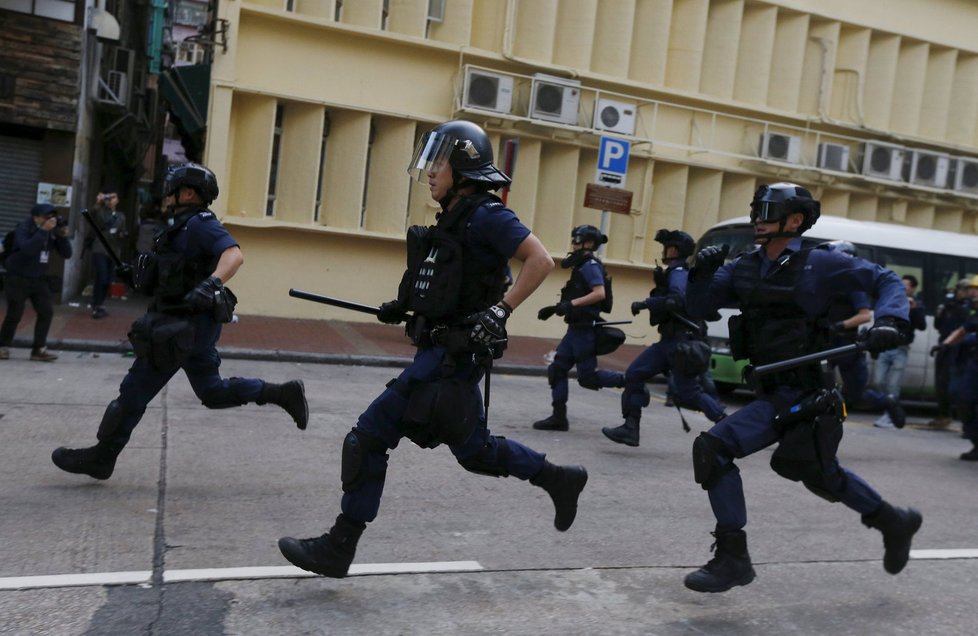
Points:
(444, 411)
(162, 340)
(692, 357)
(145, 272)
(224, 303)
(607, 340)
(736, 328)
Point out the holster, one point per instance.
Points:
(443, 411)
(692, 357)
(163, 340)
(224, 304)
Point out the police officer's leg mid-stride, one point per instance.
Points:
(382, 426)
(144, 381)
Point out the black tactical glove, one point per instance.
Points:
(489, 326)
(547, 312)
(708, 261)
(391, 313)
(124, 273)
(562, 308)
(886, 333)
(201, 298)
(638, 306)
(837, 328)
(936, 349)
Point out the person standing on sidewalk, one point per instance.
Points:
(783, 292)
(35, 239)
(112, 222)
(890, 364)
(453, 289)
(582, 300)
(667, 309)
(186, 272)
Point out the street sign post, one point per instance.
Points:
(611, 172)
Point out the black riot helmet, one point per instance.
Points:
(682, 241)
(584, 233)
(466, 148)
(774, 203)
(191, 175)
(845, 247)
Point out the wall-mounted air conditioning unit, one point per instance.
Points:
(780, 147)
(487, 90)
(927, 168)
(964, 175)
(555, 99)
(614, 116)
(883, 161)
(833, 157)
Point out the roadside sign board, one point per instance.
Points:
(601, 197)
(612, 162)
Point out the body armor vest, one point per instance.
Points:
(443, 281)
(663, 318)
(175, 273)
(771, 326)
(577, 286)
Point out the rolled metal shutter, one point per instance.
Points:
(20, 171)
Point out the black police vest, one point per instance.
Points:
(577, 287)
(663, 317)
(443, 281)
(772, 326)
(176, 274)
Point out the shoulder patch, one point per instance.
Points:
(206, 214)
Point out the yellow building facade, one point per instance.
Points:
(316, 106)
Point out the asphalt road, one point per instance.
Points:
(182, 539)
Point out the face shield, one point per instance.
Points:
(432, 152)
(767, 211)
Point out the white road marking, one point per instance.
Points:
(224, 574)
(944, 554)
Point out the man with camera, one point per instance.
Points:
(27, 267)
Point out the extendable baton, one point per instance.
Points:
(602, 323)
(335, 302)
(800, 361)
(101, 238)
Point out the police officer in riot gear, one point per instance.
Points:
(582, 300)
(451, 295)
(192, 258)
(783, 292)
(673, 354)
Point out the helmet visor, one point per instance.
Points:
(767, 211)
(433, 150)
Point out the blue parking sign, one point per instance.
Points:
(612, 161)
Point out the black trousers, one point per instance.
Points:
(18, 291)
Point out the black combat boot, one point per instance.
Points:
(556, 422)
(564, 485)
(729, 567)
(898, 526)
(95, 461)
(626, 434)
(291, 396)
(329, 555)
(895, 411)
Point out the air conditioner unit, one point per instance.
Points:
(780, 147)
(965, 175)
(614, 116)
(833, 157)
(487, 90)
(555, 99)
(928, 169)
(883, 161)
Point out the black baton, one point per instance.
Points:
(101, 238)
(602, 323)
(818, 356)
(335, 302)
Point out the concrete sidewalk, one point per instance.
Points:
(282, 339)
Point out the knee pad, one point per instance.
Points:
(711, 460)
(490, 460)
(555, 374)
(111, 420)
(590, 381)
(364, 458)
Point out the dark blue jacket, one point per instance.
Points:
(32, 249)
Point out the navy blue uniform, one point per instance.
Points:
(659, 357)
(201, 239)
(825, 274)
(579, 343)
(492, 236)
(27, 267)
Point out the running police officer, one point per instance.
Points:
(453, 290)
(681, 351)
(582, 300)
(192, 259)
(845, 314)
(783, 292)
